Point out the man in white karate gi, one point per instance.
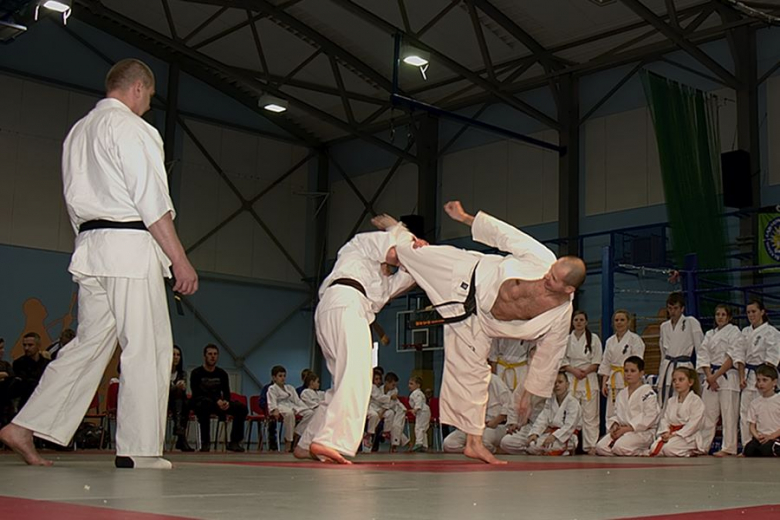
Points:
(116, 192)
(526, 295)
(360, 284)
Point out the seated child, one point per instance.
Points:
(422, 414)
(499, 402)
(311, 395)
(679, 434)
(516, 439)
(394, 414)
(631, 429)
(764, 416)
(283, 401)
(376, 407)
(554, 431)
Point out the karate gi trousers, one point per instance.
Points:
(342, 320)
(133, 312)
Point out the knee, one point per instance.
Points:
(451, 445)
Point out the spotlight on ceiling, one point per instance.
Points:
(272, 103)
(59, 6)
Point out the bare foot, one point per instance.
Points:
(300, 453)
(325, 454)
(481, 453)
(591, 451)
(720, 454)
(21, 441)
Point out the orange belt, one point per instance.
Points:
(658, 447)
(558, 453)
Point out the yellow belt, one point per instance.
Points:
(510, 366)
(615, 370)
(587, 386)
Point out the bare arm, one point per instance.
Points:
(165, 235)
(456, 212)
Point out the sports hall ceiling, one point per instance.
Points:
(333, 59)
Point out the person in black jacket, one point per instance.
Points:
(211, 396)
(177, 400)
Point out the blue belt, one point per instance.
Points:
(716, 368)
(751, 367)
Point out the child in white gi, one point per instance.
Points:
(715, 358)
(509, 360)
(394, 414)
(619, 347)
(631, 430)
(422, 414)
(554, 431)
(680, 337)
(312, 396)
(376, 408)
(764, 416)
(499, 403)
(283, 401)
(760, 344)
(582, 360)
(679, 432)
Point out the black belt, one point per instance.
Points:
(349, 282)
(469, 306)
(110, 224)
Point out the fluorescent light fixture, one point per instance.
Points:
(414, 60)
(272, 103)
(57, 5)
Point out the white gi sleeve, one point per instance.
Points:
(695, 419)
(703, 353)
(493, 232)
(546, 362)
(543, 421)
(272, 405)
(595, 344)
(140, 152)
(648, 419)
(571, 419)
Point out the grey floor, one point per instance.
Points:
(401, 486)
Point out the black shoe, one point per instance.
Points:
(183, 445)
(235, 446)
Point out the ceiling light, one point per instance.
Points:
(272, 103)
(417, 61)
(414, 57)
(57, 5)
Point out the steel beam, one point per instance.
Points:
(705, 59)
(569, 167)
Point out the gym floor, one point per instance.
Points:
(85, 486)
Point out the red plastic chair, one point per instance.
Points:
(256, 415)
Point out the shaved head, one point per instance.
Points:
(575, 270)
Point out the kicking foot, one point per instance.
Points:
(142, 463)
(21, 441)
(325, 454)
(479, 452)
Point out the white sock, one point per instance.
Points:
(136, 462)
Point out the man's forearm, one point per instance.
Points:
(165, 235)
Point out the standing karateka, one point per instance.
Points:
(509, 360)
(619, 347)
(680, 336)
(720, 395)
(760, 344)
(498, 407)
(525, 295)
(358, 287)
(631, 430)
(582, 360)
(116, 192)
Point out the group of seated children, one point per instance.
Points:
(385, 406)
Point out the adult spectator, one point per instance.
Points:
(29, 367)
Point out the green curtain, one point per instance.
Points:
(686, 129)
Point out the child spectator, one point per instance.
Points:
(631, 429)
(764, 416)
(499, 402)
(554, 431)
(679, 432)
(283, 401)
(422, 414)
(312, 396)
